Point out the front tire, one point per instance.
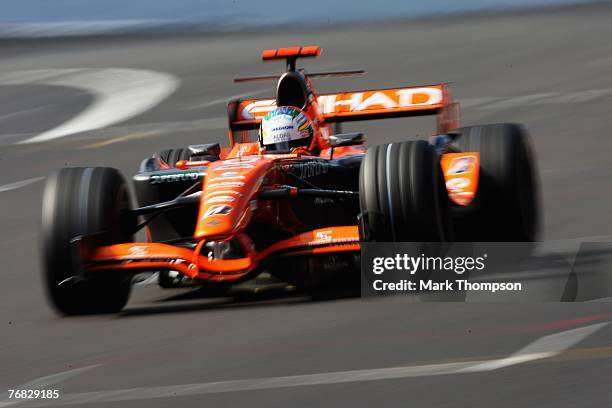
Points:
(506, 208)
(83, 202)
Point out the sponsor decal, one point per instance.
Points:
(219, 209)
(228, 175)
(244, 150)
(226, 178)
(225, 184)
(458, 184)
(387, 99)
(282, 156)
(139, 250)
(175, 177)
(278, 138)
(236, 166)
(384, 99)
(276, 129)
(238, 163)
(220, 192)
(323, 236)
(220, 199)
(460, 165)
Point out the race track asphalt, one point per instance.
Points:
(548, 69)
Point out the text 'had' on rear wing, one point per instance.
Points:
(361, 105)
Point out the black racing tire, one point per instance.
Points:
(172, 156)
(507, 204)
(207, 157)
(402, 194)
(89, 202)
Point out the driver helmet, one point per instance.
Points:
(284, 129)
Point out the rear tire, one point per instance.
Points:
(172, 156)
(83, 202)
(506, 207)
(402, 194)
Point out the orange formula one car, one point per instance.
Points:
(296, 200)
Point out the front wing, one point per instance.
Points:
(146, 256)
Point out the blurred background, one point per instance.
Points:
(74, 17)
(86, 83)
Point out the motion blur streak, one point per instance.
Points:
(544, 347)
(19, 184)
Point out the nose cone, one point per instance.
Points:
(228, 188)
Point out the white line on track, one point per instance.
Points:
(119, 94)
(542, 348)
(12, 115)
(19, 184)
(119, 139)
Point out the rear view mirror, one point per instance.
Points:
(346, 139)
(201, 150)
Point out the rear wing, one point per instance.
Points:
(246, 115)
